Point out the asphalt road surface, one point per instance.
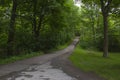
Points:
(52, 66)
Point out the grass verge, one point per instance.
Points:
(20, 57)
(33, 54)
(60, 47)
(108, 68)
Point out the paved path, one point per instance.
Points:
(53, 66)
(37, 68)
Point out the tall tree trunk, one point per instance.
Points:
(11, 32)
(94, 34)
(105, 7)
(34, 18)
(93, 30)
(39, 24)
(105, 21)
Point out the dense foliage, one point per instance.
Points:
(92, 28)
(34, 25)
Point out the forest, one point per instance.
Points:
(35, 25)
(39, 25)
(30, 29)
(100, 26)
(99, 48)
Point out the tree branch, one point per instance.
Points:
(107, 7)
(102, 6)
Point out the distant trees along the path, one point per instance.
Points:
(108, 7)
(33, 25)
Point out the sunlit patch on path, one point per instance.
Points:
(42, 72)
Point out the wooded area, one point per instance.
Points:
(101, 20)
(33, 25)
(38, 25)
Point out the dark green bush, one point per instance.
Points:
(114, 44)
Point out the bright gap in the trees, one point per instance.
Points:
(77, 3)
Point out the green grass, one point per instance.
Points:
(65, 45)
(20, 57)
(108, 68)
(25, 56)
(60, 47)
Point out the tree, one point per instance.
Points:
(11, 32)
(106, 8)
(33, 25)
